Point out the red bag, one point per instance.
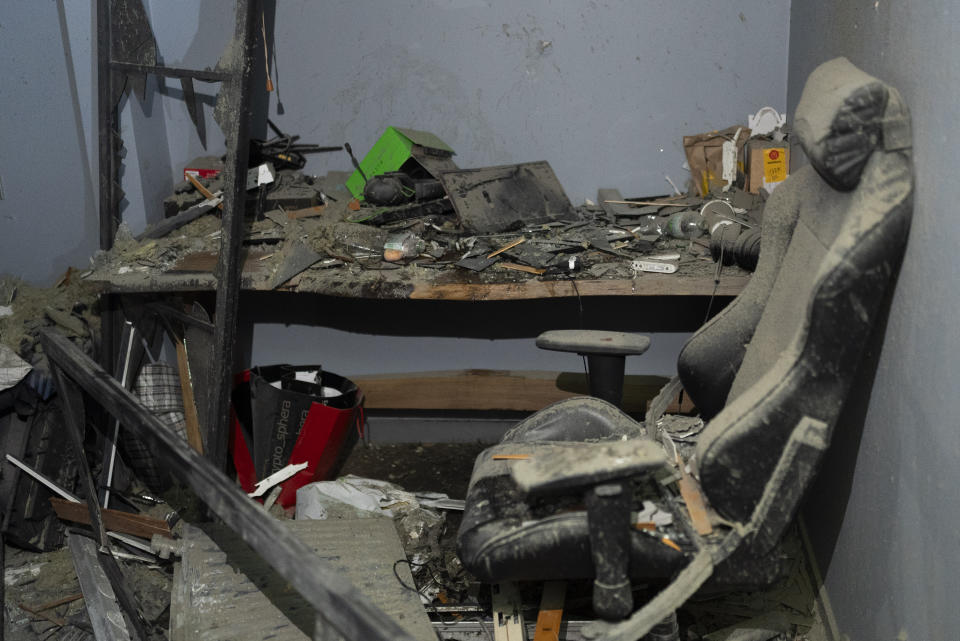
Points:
(285, 414)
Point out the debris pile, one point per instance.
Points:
(408, 209)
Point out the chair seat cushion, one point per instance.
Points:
(582, 418)
(505, 537)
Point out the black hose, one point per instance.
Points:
(736, 247)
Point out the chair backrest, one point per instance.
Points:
(833, 238)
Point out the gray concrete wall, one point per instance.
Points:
(603, 90)
(887, 532)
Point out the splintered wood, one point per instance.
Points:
(694, 501)
(189, 400)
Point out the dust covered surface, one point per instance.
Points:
(350, 255)
(69, 306)
(38, 579)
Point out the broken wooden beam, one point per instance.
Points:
(114, 520)
(106, 617)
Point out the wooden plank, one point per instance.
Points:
(206, 262)
(113, 520)
(644, 285)
(507, 612)
(306, 212)
(551, 611)
(194, 438)
(510, 245)
(393, 286)
(480, 389)
(203, 190)
(520, 268)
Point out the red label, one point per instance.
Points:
(774, 154)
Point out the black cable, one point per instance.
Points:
(586, 371)
(412, 565)
(579, 300)
(716, 284)
(483, 626)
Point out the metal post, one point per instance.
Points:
(106, 126)
(237, 98)
(106, 169)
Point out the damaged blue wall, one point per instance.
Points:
(888, 533)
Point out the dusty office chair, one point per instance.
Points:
(769, 374)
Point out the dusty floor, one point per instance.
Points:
(787, 610)
(438, 467)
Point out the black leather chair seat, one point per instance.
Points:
(507, 535)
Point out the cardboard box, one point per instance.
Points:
(704, 154)
(768, 164)
(407, 149)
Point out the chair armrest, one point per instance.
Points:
(588, 341)
(558, 466)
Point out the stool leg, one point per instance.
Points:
(606, 376)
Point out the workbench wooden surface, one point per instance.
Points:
(451, 283)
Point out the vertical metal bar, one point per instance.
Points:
(237, 98)
(106, 125)
(125, 371)
(106, 168)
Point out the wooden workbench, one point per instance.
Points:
(450, 284)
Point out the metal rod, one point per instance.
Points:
(171, 72)
(335, 597)
(130, 333)
(40, 478)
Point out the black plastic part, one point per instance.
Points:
(26, 517)
(608, 517)
(428, 190)
(606, 377)
(666, 630)
(393, 188)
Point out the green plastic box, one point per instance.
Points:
(395, 148)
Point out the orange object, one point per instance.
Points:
(667, 541)
(510, 457)
(550, 616)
